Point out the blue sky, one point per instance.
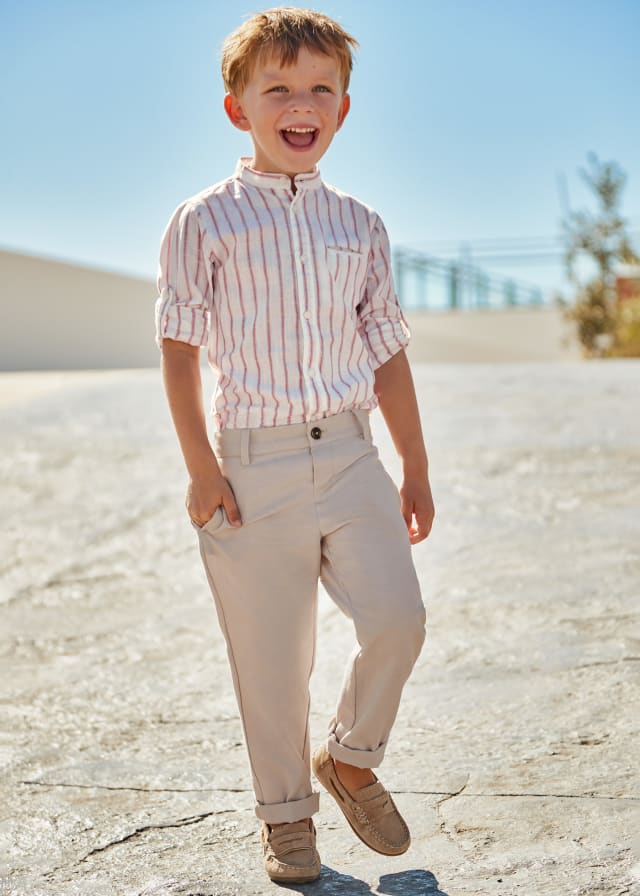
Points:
(463, 116)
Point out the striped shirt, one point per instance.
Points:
(291, 293)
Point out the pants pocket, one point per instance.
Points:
(214, 522)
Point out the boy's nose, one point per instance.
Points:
(301, 102)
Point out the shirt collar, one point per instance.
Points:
(267, 180)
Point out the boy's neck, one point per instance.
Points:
(292, 177)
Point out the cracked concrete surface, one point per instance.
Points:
(515, 754)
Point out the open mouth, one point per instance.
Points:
(300, 138)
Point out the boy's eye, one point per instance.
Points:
(280, 88)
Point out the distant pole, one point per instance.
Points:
(466, 285)
(510, 292)
(454, 292)
(482, 289)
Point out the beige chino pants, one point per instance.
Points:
(316, 504)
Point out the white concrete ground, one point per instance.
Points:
(515, 753)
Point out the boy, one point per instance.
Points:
(288, 283)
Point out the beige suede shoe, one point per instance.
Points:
(290, 854)
(372, 814)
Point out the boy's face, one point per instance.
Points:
(292, 112)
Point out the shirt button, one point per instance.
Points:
(306, 315)
(316, 432)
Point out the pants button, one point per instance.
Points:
(316, 432)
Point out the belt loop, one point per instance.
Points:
(358, 414)
(244, 447)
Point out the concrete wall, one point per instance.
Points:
(492, 334)
(60, 316)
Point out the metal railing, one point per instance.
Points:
(426, 282)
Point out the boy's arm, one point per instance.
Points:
(208, 488)
(399, 406)
(182, 311)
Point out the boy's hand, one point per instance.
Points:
(416, 501)
(206, 493)
(396, 394)
(208, 488)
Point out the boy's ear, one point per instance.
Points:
(235, 113)
(345, 105)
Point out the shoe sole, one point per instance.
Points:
(293, 880)
(335, 793)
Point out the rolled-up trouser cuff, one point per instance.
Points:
(359, 758)
(293, 810)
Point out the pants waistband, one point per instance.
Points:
(244, 442)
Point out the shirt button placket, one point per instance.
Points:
(311, 314)
(303, 290)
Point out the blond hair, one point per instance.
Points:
(283, 31)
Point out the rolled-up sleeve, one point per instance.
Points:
(184, 281)
(382, 324)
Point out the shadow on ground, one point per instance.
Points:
(413, 882)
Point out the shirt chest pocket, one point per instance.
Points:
(347, 269)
